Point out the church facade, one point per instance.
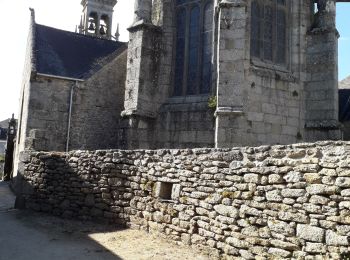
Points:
(268, 69)
(195, 73)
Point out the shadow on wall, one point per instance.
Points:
(1, 169)
(73, 187)
(54, 187)
(281, 201)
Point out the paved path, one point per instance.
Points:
(7, 199)
(2, 146)
(26, 235)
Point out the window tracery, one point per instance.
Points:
(268, 40)
(194, 26)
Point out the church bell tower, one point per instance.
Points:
(97, 17)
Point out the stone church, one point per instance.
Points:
(195, 73)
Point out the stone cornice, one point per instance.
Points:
(232, 3)
(104, 2)
(142, 25)
(228, 111)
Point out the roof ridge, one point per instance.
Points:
(70, 54)
(79, 34)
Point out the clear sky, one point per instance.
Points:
(65, 14)
(343, 25)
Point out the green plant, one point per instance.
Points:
(229, 194)
(184, 199)
(2, 158)
(149, 186)
(212, 102)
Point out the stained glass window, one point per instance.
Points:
(268, 40)
(193, 63)
(180, 50)
(192, 77)
(255, 30)
(207, 45)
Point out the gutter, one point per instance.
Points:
(58, 77)
(70, 114)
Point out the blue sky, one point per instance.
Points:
(343, 25)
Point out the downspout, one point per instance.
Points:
(70, 114)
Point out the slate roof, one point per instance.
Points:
(345, 83)
(5, 123)
(67, 54)
(344, 100)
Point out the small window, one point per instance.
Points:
(165, 190)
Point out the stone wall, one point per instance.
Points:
(281, 201)
(48, 109)
(260, 103)
(97, 105)
(185, 122)
(321, 88)
(154, 118)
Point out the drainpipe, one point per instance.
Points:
(70, 114)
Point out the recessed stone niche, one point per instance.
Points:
(167, 191)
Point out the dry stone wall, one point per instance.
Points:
(288, 201)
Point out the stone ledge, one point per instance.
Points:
(323, 125)
(140, 25)
(227, 111)
(232, 3)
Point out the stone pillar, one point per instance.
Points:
(322, 67)
(142, 74)
(231, 60)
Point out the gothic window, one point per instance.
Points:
(268, 41)
(194, 26)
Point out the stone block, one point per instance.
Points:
(313, 178)
(279, 252)
(321, 189)
(227, 211)
(281, 227)
(315, 248)
(292, 193)
(310, 233)
(274, 195)
(343, 182)
(333, 239)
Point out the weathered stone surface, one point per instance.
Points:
(274, 195)
(293, 177)
(279, 252)
(312, 178)
(315, 248)
(250, 210)
(322, 189)
(281, 227)
(333, 239)
(310, 233)
(227, 211)
(343, 182)
(293, 193)
(238, 243)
